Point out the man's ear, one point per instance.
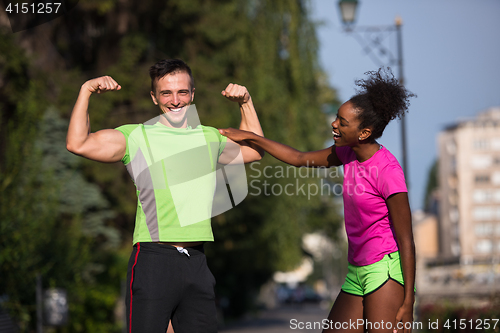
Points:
(192, 94)
(153, 97)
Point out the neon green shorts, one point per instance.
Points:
(363, 280)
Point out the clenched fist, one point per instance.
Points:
(102, 84)
(236, 93)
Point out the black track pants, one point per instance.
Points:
(164, 283)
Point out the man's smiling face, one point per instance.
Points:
(173, 95)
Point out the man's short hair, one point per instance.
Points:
(168, 66)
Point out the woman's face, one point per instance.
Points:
(346, 130)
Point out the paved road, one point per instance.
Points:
(287, 319)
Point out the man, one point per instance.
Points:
(173, 164)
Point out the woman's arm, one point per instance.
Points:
(399, 210)
(320, 158)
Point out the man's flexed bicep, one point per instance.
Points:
(103, 146)
(249, 122)
(107, 146)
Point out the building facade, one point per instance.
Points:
(469, 187)
(458, 254)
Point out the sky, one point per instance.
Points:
(451, 60)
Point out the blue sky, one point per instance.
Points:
(451, 52)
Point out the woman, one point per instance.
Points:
(378, 293)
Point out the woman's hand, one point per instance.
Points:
(404, 319)
(235, 134)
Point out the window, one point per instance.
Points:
(481, 144)
(482, 196)
(482, 179)
(495, 143)
(483, 213)
(481, 161)
(451, 147)
(484, 246)
(454, 215)
(495, 179)
(452, 181)
(483, 229)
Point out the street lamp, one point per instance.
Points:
(348, 11)
(372, 38)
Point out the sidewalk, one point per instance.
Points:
(286, 319)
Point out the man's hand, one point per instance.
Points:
(101, 84)
(236, 93)
(249, 123)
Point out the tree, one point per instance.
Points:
(430, 203)
(53, 222)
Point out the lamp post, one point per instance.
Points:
(372, 39)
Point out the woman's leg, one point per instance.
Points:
(381, 307)
(346, 314)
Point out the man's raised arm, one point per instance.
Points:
(103, 146)
(249, 122)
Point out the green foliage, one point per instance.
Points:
(101, 6)
(432, 185)
(53, 222)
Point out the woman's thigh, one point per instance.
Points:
(381, 307)
(346, 314)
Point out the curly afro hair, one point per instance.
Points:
(380, 100)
